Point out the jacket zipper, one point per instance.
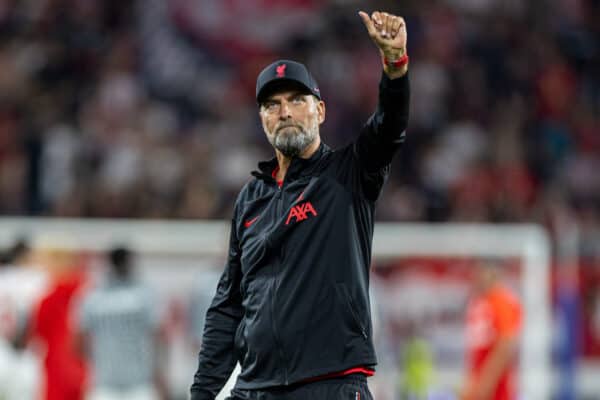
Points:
(275, 280)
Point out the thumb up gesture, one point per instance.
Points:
(388, 32)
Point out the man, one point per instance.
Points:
(493, 324)
(119, 328)
(292, 305)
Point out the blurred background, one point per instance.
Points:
(145, 110)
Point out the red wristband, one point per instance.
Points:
(399, 63)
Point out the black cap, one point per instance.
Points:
(285, 72)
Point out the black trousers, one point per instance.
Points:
(353, 387)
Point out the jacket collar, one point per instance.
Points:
(298, 167)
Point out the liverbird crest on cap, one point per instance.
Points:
(281, 70)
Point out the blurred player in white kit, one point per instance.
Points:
(120, 329)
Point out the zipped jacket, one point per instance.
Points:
(293, 301)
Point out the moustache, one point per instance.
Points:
(288, 126)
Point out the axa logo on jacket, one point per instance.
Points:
(300, 212)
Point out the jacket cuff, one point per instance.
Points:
(393, 86)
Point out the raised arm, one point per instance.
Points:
(384, 132)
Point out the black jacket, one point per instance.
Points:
(293, 301)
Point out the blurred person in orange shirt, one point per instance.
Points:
(65, 370)
(493, 325)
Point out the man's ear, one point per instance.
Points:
(321, 111)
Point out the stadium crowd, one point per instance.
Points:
(146, 109)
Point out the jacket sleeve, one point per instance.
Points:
(383, 134)
(217, 356)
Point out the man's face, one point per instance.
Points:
(291, 120)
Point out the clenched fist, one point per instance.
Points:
(388, 32)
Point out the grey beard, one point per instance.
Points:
(292, 144)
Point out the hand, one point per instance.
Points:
(388, 32)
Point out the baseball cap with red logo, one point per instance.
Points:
(285, 75)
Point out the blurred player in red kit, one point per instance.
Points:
(493, 324)
(66, 371)
(292, 306)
